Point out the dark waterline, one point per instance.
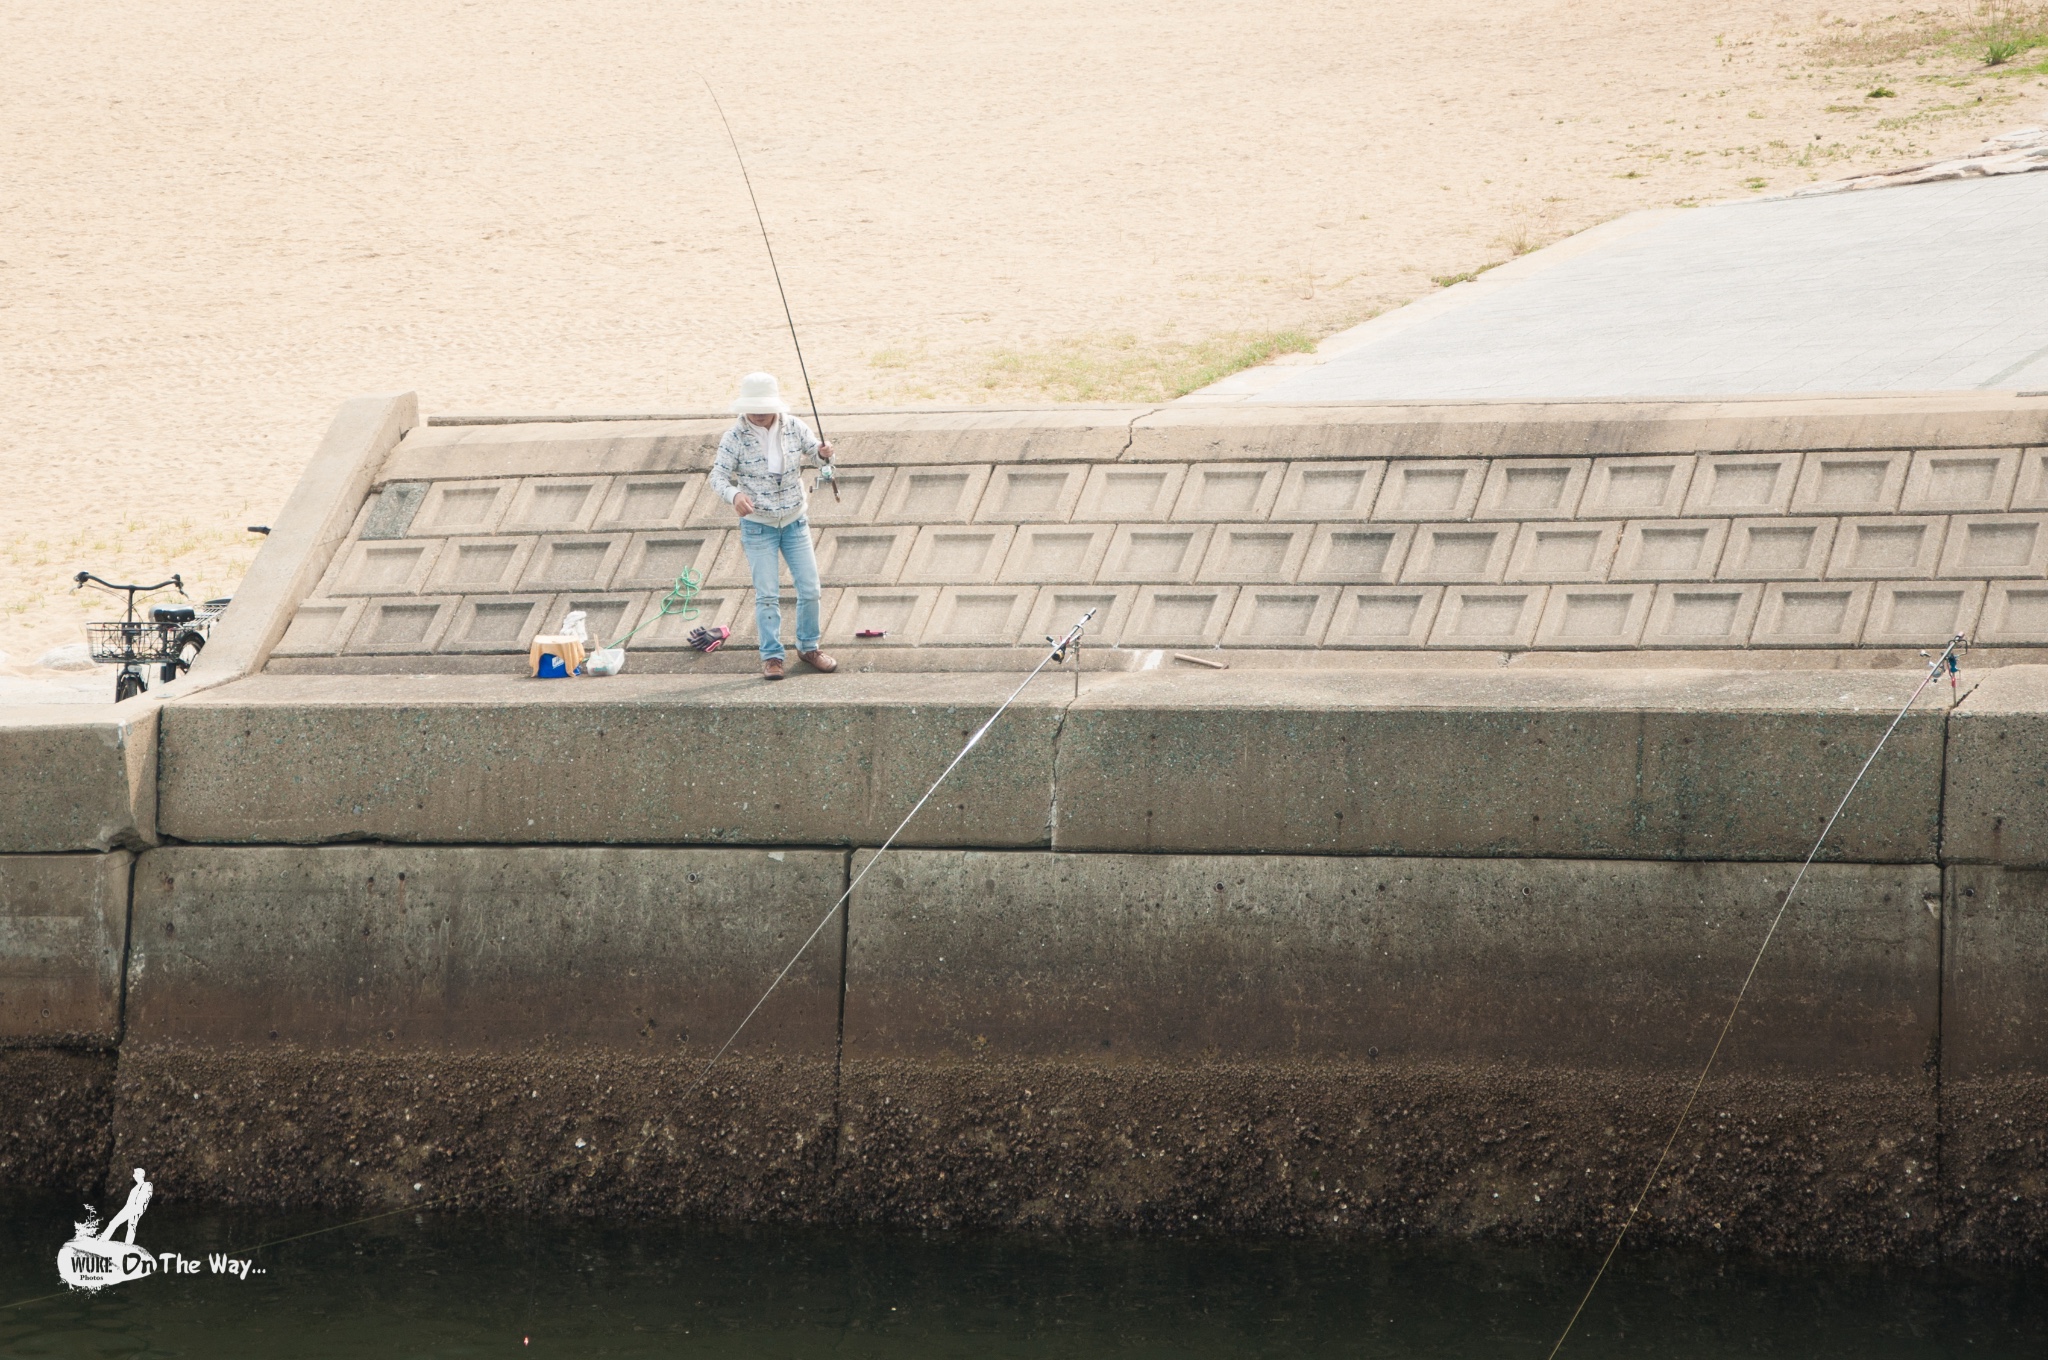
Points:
(442, 1285)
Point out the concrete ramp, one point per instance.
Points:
(1921, 288)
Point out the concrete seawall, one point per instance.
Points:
(1473, 1015)
(1363, 941)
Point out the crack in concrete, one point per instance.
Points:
(1131, 431)
(1052, 812)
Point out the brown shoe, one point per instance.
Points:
(772, 669)
(818, 661)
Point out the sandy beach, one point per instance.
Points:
(224, 218)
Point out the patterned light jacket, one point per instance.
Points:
(742, 465)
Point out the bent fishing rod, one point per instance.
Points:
(762, 222)
(1945, 662)
(1054, 654)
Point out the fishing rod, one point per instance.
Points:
(825, 474)
(1054, 654)
(1946, 661)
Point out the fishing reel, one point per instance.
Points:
(1072, 639)
(1947, 659)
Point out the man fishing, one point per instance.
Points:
(759, 473)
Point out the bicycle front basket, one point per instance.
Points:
(127, 644)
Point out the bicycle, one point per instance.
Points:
(170, 639)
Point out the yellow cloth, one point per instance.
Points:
(568, 648)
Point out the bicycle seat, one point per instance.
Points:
(173, 613)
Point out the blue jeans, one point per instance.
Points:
(763, 546)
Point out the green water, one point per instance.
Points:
(440, 1285)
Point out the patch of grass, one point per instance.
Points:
(1982, 30)
(39, 609)
(1249, 353)
(1122, 368)
(211, 558)
(1446, 280)
(1881, 92)
(1754, 182)
(895, 357)
(1934, 113)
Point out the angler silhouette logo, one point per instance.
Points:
(94, 1258)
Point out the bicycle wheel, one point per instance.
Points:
(127, 685)
(183, 655)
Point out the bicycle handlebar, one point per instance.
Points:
(79, 580)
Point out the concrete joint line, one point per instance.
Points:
(127, 950)
(2010, 369)
(839, 1032)
(1942, 1191)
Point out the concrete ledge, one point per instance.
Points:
(1261, 432)
(1620, 764)
(652, 952)
(634, 759)
(958, 955)
(584, 447)
(77, 782)
(553, 449)
(885, 660)
(1083, 434)
(303, 538)
(1481, 429)
(1998, 771)
(733, 661)
(63, 933)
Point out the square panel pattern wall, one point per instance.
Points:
(1892, 548)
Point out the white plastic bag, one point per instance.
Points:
(605, 661)
(572, 626)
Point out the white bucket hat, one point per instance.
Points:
(760, 395)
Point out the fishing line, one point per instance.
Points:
(680, 601)
(773, 268)
(1934, 668)
(1057, 652)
